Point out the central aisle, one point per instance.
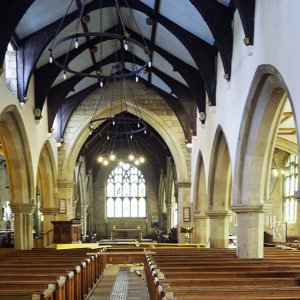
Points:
(121, 282)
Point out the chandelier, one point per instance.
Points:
(88, 36)
(76, 42)
(120, 130)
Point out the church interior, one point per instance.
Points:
(149, 149)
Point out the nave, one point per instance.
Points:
(149, 273)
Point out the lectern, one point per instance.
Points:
(67, 231)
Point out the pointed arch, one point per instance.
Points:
(264, 106)
(219, 178)
(200, 196)
(18, 158)
(47, 177)
(171, 139)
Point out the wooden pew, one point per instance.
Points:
(38, 265)
(190, 274)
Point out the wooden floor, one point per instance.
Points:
(121, 282)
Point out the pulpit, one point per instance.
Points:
(67, 231)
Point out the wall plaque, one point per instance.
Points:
(62, 206)
(186, 214)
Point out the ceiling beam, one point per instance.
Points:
(11, 12)
(246, 9)
(218, 18)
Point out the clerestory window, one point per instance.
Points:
(126, 193)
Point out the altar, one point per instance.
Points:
(127, 233)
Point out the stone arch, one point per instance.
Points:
(261, 117)
(20, 173)
(176, 148)
(263, 108)
(220, 179)
(47, 183)
(47, 177)
(200, 195)
(219, 191)
(200, 219)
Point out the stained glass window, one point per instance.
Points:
(290, 186)
(126, 192)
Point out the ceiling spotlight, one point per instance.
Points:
(131, 157)
(93, 49)
(85, 19)
(100, 159)
(150, 21)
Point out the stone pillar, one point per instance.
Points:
(297, 193)
(23, 225)
(84, 218)
(183, 200)
(161, 198)
(250, 230)
(201, 229)
(65, 191)
(50, 214)
(219, 228)
(169, 216)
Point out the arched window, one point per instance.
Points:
(126, 193)
(290, 186)
(11, 69)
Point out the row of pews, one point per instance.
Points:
(201, 273)
(49, 274)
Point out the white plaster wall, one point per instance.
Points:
(276, 42)
(36, 131)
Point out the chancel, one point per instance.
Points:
(149, 149)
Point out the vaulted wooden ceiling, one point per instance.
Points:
(184, 38)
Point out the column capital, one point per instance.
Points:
(65, 184)
(183, 184)
(217, 213)
(249, 208)
(25, 208)
(200, 216)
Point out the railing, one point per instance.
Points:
(44, 240)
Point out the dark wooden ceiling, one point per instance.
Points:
(184, 38)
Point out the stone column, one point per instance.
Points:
(183, 200)
(201, 229)
(84, 218)
(219, 228)
(23, 225)
(161, 198)
(50, 214)
(65, 191)
(297, 193)
(169, 216)
(250, 230)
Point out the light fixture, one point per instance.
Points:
(120, 129)
(75, 42)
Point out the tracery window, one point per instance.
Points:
(290, 186)
(126, 193)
